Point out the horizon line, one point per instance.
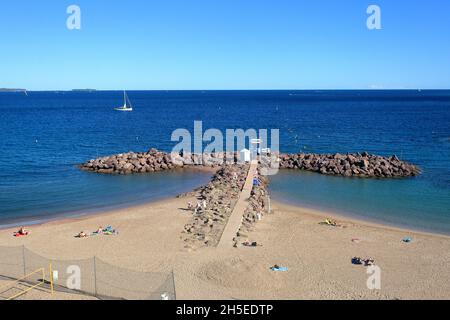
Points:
(11, 90)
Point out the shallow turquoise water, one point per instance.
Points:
(410, 203)
(91, 192)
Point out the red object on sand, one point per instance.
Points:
(17, 234)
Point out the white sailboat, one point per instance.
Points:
(126, 104)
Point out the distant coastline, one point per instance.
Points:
(12, 90)
(84, 90)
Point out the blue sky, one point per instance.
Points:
(225, 44)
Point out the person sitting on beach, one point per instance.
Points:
(23, 232)
(190, 205)
(204, 204)
(99, 230)
(369, 261)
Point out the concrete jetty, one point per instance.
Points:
(235, 219)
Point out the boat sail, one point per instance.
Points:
(126, 104)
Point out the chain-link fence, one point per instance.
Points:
(91, 276)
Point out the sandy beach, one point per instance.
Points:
(318, 256)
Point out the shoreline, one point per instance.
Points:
(310, 211)
(101, 210)
(63, 219)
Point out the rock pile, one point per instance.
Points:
(220, 196)
(348, 165)
(153, 160)
(131, 162)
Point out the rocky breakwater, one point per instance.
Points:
(152, 161)
(258, 206)
(130, 162)
(349, 165)
(215, 204)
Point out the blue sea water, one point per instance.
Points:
(45, 134)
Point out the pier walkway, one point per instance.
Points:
(235, 220)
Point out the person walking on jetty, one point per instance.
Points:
(198, 207)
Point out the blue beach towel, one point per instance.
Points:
(279, 268)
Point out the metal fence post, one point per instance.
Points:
(173, 283)
(95, 277)
(23, 258)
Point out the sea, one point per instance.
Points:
(45, 134)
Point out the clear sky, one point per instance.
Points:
(225, 44)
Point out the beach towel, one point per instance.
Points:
(106, 231)
(278, 268)
(17, 234)
(110, 233)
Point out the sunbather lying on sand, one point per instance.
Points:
(248, 243)
(367, 262)
(278, 268)
(82, 234)
(330, 222)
